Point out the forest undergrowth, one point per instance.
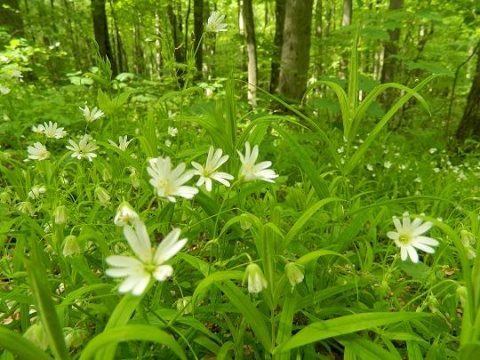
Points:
(141, 223)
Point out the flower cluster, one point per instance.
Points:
(169, 182)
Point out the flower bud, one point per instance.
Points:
(256, 279)
(461, 294)
(102, 195)
(36, 335)
(71, 246)
(467, 238)
(185, 305)
(26, 207)
(106, 176)
(294, 273)
(37, 191)
(60, 214)
(134, 178)
(74, 337)
(125, 215)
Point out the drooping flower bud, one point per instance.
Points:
(295, 273)
(256, 279)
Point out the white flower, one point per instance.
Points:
(208, 172)
(4, 89)
(256, 279)
(37, 191)
(172, 131)
(251, 171)
(125, 215)
(215, 23)
(123, 142)
(169, 183)
(40, 129)
(38, 152)
(140, 269)
(50, 130)
(168, 143)
(92, 115)
(387, 164)
(408, 237)
(84, 149)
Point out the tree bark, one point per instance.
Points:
(391, 47)
(347, 12)
(390, 53)
(277, 44)
(295, 49)
(247, 12)
(100, 30)
(469, 127)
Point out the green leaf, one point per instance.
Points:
(132, 332)
(307, 215)
(366, 349)
(46, 309)
(311, 170)
(343, 325)
(20, 347)
(470, 351)
(245, 306)
(120, 316)
(214, 278)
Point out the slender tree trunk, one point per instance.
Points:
(72, 34)
(158, 46)
(390, 53)
(346, 21)
(277, 45)
(11, 19)
(198, 32)
(179, 53)
(347, 12)
(100, 30)
(247, 11)
(122, 62)
(139, 58)
(469, 126)
(296, 49)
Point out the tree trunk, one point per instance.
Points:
(277, 44)
(470, 124)
(295, 49)
(158, 47)
(390, 53)
(247, 12)
(198, 32)
(391, 48)
(177, 33)
(122, 62)
(11, 19)
(347, 12)
(100, 30)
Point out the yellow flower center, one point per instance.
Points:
(166, 185)
(404, 239)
